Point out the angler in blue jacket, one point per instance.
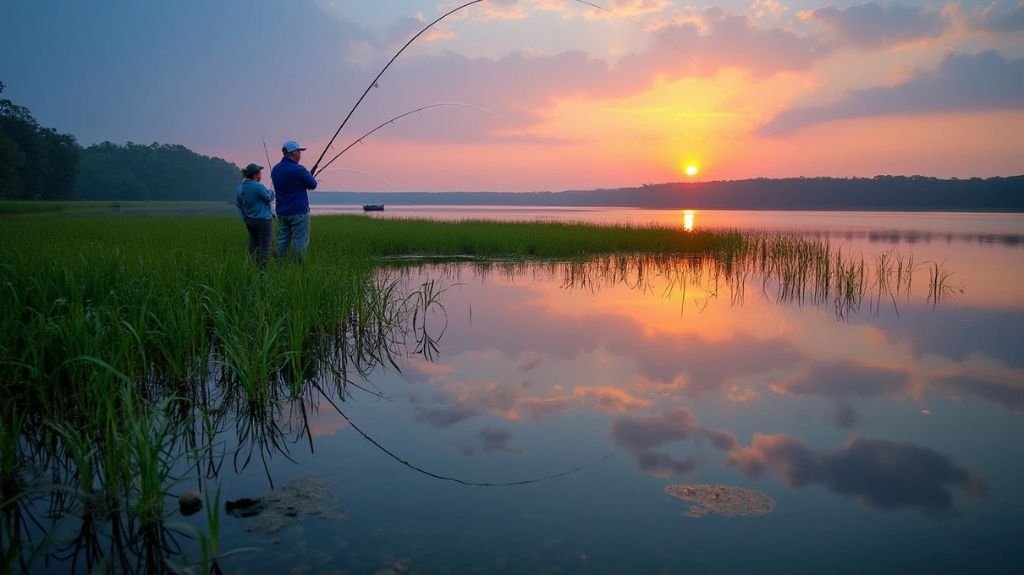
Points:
(291, 182)
(253, 201)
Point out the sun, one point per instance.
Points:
(691, 170)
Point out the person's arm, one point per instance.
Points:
(267, 195)
(308, 179)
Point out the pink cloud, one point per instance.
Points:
(610, 399)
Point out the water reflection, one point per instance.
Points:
(749, 370)
(688, 219)
(97, 497)
(909, 229)
(644, 339)
(879, 473)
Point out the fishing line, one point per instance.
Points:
(374, 84)
(381, 73)
(363, 172)
(399, 117)
(456, 479)
(265, 150)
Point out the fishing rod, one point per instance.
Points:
(265, 150)
(373, 84)
(399, 117)
(381, 73)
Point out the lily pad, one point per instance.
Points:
(722, 500)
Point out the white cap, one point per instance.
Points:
(291, 146)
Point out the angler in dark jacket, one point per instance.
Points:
(291, 182)
(253, 201)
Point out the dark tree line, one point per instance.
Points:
(897, 193)
(35, 162)
(38, 163)
(153, 172)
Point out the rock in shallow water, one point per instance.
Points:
(722, 500)
(189, 503)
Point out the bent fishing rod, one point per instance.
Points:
(316, 165)
(381, 73)
(265, 150)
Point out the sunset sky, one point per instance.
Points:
(553, 94)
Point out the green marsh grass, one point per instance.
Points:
(129, 345)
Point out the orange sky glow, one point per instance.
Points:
(552, 94)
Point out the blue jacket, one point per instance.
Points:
(253, 200)
(291, 181)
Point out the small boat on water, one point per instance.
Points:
(373, 207)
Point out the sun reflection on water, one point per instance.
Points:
(688, 218)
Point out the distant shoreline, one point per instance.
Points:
(881, 193)
(921, 210)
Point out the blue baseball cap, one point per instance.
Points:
(291, 146)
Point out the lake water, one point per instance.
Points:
(529, 417)
(889, 227)
(887, 433)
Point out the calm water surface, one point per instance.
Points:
(888, 435)
(911, 227)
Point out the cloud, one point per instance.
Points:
(962, 83)
(641, 435)
(442, 417)
(611, 399)
(638, 7)
(722, 39)
(1009, 395)
(492, 10)
(531, 361)
(492, 440)
(401, 29)
(979, 332)
(663, 464)
(507, 400)
(845, 416)
(765, 8)
(537, 408)
(879, 473)
(845, 379)
(999, 20)
(422, 371)
(521, 87)
(519, 9)
(685, 364)
(873, 25)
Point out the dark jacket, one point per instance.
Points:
(291, 181)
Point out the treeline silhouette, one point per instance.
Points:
(35, 162)
(154, 172)
(38, 163)
(897, 193)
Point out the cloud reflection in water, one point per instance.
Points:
(879, 473)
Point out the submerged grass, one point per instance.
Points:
(127, 345)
